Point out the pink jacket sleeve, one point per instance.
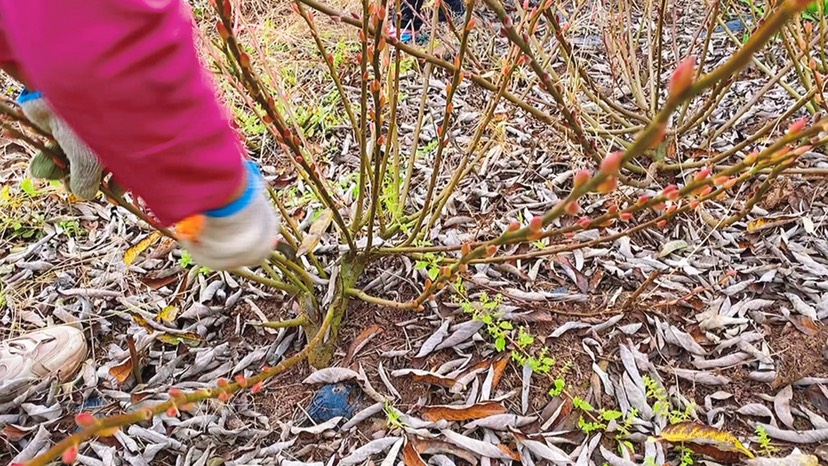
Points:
(125, 75)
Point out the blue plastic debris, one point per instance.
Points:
(736, 26)
(333, 401)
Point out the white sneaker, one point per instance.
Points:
(43, 353)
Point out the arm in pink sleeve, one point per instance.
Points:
(125, 75)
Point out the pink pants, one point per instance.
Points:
(125, 76)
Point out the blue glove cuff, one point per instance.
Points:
(27, 95)
(254, 185)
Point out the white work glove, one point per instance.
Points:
(84, 167)
(242, 233)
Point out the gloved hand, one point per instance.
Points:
(242, 233)
(84, 168)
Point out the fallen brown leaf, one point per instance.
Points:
(410, 455)
(499, 366)
(122, 371)
(16, 433)
(462, 413)
(359, 342)
(432, 447)
(156, 283)
(805, 325)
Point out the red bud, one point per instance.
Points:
(471, 25)
(222, 30)
(694, 204)
(257, 387)
(176, 392)
(751, 158)
(224, 396)
(584, 222)
(643, 199)
(172, 412)
(465, 249)
(491, 250)
(244, 60)
(707, 190)
(572, 208)
(536, 224)
(659, 207)
(241, 380)
(661, 224)
(222, 382)
(625, 216)
(613, 209)
(720, 180)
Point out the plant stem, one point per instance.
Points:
(295, 322)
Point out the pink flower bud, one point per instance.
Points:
(671, 192)
(241, 380)
(572, 208)
(703, 174)
(70, 455)
(720, 180)
(611, 164)
(491, 250)
(643, 199)
(257, 387)
(172, 411)
(661, 224)
(536, 224)
(581, 178)
(608, 185)
(625, 216)
(85, 419)
(798, 125)
(682, 78)
(513, 226)
(584, 222)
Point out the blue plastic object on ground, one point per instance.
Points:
(333, 401)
